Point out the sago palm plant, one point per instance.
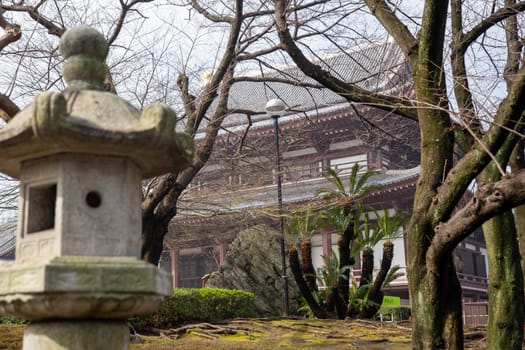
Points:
(346, 226)
(301, 225)
(344, 206)
(369, 237)
(329, 275)
(346, 196)
(358, 298)
(388, 228)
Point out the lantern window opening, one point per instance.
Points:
(41, 207)
(93, 199)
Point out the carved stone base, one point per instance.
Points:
(88, 335)
(81, 287)
(78, 305)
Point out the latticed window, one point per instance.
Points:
(193, 267)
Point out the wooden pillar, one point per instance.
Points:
(326, 166)
(174, 253)
(223, 248)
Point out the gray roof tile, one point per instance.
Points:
(379, 67)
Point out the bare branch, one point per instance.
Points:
(244, 135)
(210, 91)
(187, 98)
(125, 8)
(461, 84)
(514, 47)
(279, 80)
(489, 22)
(8, 108)
(347, 90)
(510, 116)
(489, 201)
(11, 34)
(217, 19)
(395, 28)
(32, 11)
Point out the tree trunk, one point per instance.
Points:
(345, 259)
(329, 303)
(436, 308)
(153, 232)
(517, 162)
(158, 209)
(307, 265)
(340, 306)
(435, 292)
(367, 267)
(519, 219)
(375, 294)
(505, 328)
(293, 258)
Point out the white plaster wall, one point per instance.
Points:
(399, 253)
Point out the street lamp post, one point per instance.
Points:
(275, 107)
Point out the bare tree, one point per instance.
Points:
(147, 62)
(455, 104)
(453, 113)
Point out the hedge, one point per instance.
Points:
(399, 313)
(11, 320)
(188, 305)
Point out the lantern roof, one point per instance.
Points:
(85, 119)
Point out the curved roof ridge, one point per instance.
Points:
(411, 171)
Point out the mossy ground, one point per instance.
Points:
(267, 334)
(294, 334)
(11, 336)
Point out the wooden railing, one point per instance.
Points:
(475, 313)
(474, 280)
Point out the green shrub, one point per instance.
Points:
(11, 320)
(188, 305)
(399, 313)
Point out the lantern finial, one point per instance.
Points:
(85, 50)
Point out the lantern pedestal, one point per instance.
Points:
(81, 287)
(87, 335)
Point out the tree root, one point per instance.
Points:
(203, 330)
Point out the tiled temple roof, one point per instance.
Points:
(378, 67)
(294, 192)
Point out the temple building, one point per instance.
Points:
(319, 130)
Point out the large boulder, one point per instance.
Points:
(253, 264)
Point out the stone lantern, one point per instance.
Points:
(80, 156)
